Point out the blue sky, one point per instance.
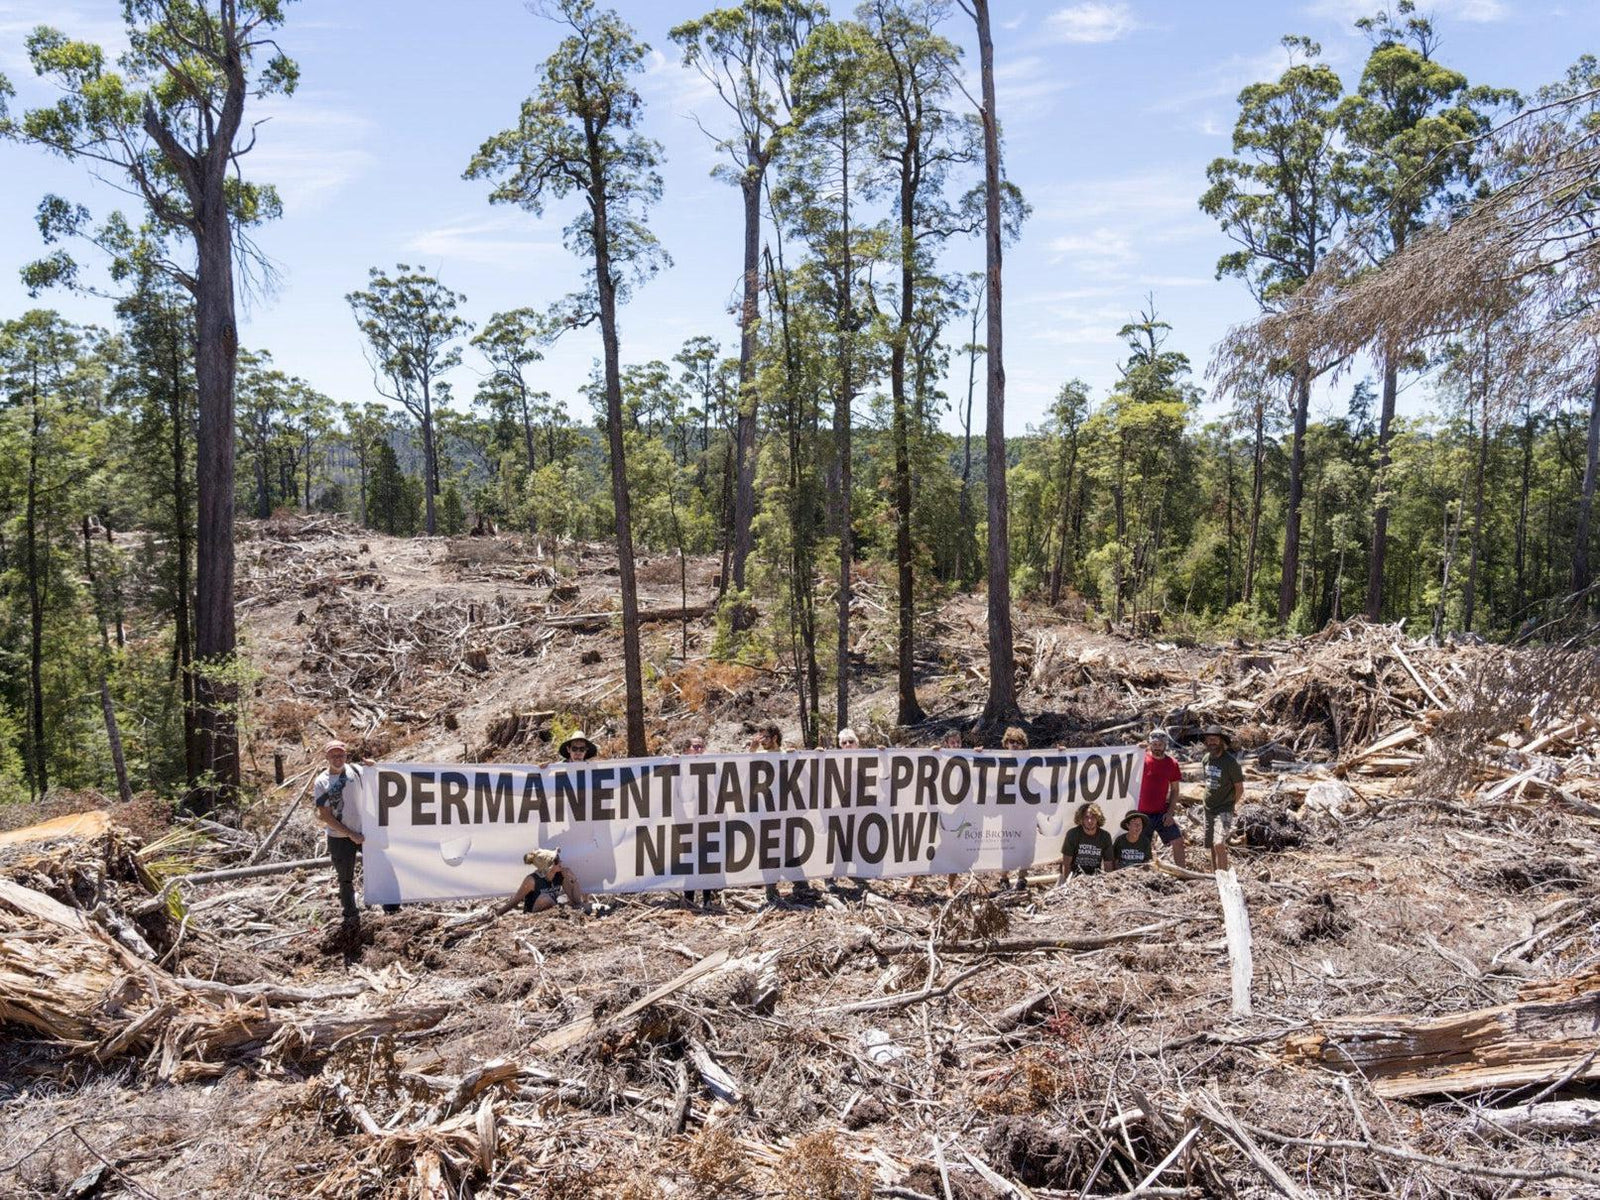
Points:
(1111, 112)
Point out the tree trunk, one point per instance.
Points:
(430, 469)
(910, 712)
(1582, 575)
(842, 420)
(263, 493)
(216, 356)
(183, 642)
(527, 428)
(1380, 511)
(964, 502)
(1257, 494)
(1521, 564)
(1288, 588)
(1002, 702)
(744, 494)
(1068, 486)
(1470, 600)
(107, 709)
(1232, 537)
(36, 583)
(605, 286)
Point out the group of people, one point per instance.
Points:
(1088, 849)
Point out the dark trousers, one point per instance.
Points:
(344, 853)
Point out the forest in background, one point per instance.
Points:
(806, 441)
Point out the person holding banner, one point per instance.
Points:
(1158, 793)
(577, 748)
(1224, 790)
(1087, 849)
(343, 823)
(1132, 846)
(1014, 738)
(541, 888)
(697, 745)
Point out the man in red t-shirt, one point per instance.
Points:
(1158, 792)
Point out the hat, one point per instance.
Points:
(576, 736)
(1217, 731)
(334, 744)
(1135, 813)
(1161, 735)
(542, 860)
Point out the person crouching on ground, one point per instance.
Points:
(542, 888)
(697, 745)
(1132, 846)
(1158, 794)
(1087, 848)
(1224, 790)
(342, 818)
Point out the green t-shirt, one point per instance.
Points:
(1086, 852)
(1221, 773)
(1125, 852)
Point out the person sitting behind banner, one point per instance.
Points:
(1087, 848)
(544, 885)
(1132, 846)
(1014, 738)
(577, 748)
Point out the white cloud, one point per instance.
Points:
(308, 147)
(1090, 21)
(501, 240)
(1475, 11)
(1226, 79)
(19, 18)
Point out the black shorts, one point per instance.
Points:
(1165, 825)
(541, 887)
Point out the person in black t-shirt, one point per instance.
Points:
(1132, 847)
(1087, 848)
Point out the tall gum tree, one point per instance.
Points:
(746, 52)
(1412, 123)
(169, 126)
(577, 134)
(1283, 198)
(411, 324)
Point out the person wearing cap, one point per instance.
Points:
(1087, 848)
(543, 886)
(697, 745)
(1224, 790)
(577, 748)
(1158, 792)
(343, 823)
(1132, 846)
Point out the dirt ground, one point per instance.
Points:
(898, 1039)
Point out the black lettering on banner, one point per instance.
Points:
(909, 829)
(422, 798)
(533, 799)
(1005, 781)
(701, 772)
(707, 846)
(1094, 777)
(601, 792)
(955, 779)
(571, 789)
(790, 771)
(866, 780)
(981, 766)
(649, 841)
(391, 793)
(1029, 796)
(730, 790)
(902, 770)
(872, 848)
(768, 835)
(798, 839)
(1121, 782)
(842, 838)
(836, 782)
(683, 848)
(453, 789)
(761, 773)
(491, 797)
(927, 780)
(741, 844)
(633, 793)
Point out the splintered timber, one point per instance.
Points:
(438, 832)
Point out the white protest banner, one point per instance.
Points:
(440, 832)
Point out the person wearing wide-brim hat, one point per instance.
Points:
(1132, 846)
(1224, 791)
(541, 887)
(577, 748)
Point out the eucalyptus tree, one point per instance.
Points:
(1412, 123)
(1283, 198)
(747, 52)
(511, 342)
(577, 134)
(412, 327)
(826, 167)
(170, 128)
(364, 427)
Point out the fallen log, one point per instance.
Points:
(1511, 1045)
(1023, 945)
(596, 622)
(575, 1031)
(1563, 1118)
